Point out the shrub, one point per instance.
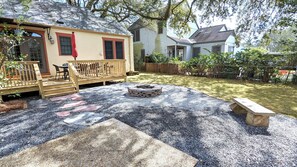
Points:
(256, 63)
(175, 60)
(157, 58)
(196, 65)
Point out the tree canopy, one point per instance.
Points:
(254, 17)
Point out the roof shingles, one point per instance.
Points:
(48, 12)
(211, 34)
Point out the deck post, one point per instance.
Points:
(1, 99)
(104, 83)
(39, 80)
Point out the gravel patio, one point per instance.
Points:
(193, 122)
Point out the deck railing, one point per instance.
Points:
(17, 74)
(39, 79)
(100, 68)
(73, 75)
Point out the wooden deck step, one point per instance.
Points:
(59, 85)
(59, 94)
(58, 89)
(51, 91)
(45, 76)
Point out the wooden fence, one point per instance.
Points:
(162, 68)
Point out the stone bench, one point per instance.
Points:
(257, 115)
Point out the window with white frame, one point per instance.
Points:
(231, 49)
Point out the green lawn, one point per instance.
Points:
(277, 97)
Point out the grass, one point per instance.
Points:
(277, 97)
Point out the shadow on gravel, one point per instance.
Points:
(24, 129)
(252, 130)
(177, 127)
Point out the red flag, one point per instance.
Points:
(74, 52)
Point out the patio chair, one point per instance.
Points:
(83, 69)
(58, 72)
(66, 71)
(94, 69)
(107, 68)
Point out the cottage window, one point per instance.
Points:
(113, 48)
(65, 44)
(119, 50)
(108, 50)
(216, 49)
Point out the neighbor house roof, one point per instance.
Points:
(49, 12)
(211, 34)
(140, 23)
(136, 25)
(181, 40)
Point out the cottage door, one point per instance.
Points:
(34, 48)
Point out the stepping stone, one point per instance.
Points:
(85, 119)
(76, 97)
(63, 113)
(73, 104)
(72, 97)
(87, 108)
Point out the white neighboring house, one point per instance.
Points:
(154, 38)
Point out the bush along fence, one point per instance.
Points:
(255, 73)
(250, 64)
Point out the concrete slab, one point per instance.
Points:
(109, 143)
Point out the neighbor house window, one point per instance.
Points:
(231, 49)
(160, 28)
(113, 48)
(142, 53)
(216, 49)
(64, 44)
(196, 51)
(136, 35)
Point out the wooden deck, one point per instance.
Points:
(20, 77)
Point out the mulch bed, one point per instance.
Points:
(13, 105)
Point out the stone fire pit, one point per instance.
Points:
(144, 91)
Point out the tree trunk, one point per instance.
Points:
(288, 76)
(90, 4)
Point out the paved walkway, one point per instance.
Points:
(109, 143)
(199, 125)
